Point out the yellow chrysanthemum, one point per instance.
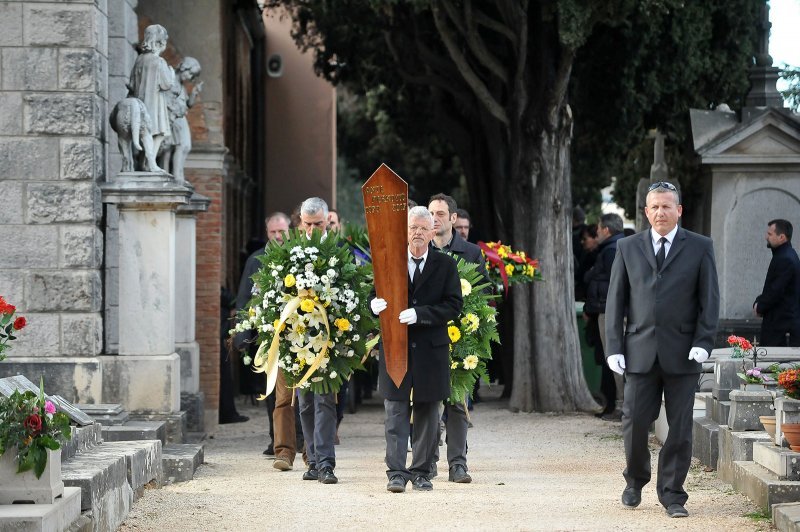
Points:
(454, 333)
(275, 325)
(454, 365)
(470, 362)
(466, 288)
(470, 322)
(289, 280)
(307, 305)
(509, 269)
(251, 312)
(342, 324)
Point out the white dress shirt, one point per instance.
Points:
(655, 240)
(413, 265)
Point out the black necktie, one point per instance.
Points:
(417, 271)
(662, 253)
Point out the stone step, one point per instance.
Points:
(43, 517)
(181, 460)
(136, 430)
(720, 411)
(106, 413)
(103, 481)
(786, 516)
(705, 441)
(143, 460)
(176, 424)
(763, 486)
(736, 447)
(782, 461)
(81, 439)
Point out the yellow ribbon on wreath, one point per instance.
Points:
(270, 364)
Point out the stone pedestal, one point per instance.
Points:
(725, 376)
(787, 410)
(185, 303)
(25, 488)
(746, 407)
(145, 376)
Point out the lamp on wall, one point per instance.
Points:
(275, 66)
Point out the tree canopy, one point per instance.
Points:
(503, 83)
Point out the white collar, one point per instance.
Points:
(655, 237)
(424, 256)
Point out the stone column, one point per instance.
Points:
(145, 376)
(185, 301)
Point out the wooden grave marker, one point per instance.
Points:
(386, 209)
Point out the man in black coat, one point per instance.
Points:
(445, 238)
(434, 298)
(779, 302)
(609, 231)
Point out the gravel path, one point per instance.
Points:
(530, 472)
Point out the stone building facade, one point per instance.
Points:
(63, 66)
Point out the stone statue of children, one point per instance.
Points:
(177, 147)
(151, 79)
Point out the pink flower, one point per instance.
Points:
(49, 407)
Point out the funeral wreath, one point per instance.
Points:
(309, 310)
(471, 334)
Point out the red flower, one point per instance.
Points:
(19, 323)
(6, 308)
(33, 423)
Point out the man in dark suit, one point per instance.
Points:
(445, 238)
(434, 298)
(779, 302)
(664, 281)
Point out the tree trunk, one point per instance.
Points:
(548, 370)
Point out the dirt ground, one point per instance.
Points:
(530, 472)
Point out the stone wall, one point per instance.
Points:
(53, 109)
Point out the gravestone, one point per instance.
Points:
(386, 210)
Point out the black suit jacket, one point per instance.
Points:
(669, 311)
(436, 297)
(779, 302)
(467, 251)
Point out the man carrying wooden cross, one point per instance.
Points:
(434, 298)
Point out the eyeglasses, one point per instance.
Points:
(662, 184)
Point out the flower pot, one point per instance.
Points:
(791, 431)
(16, 488)
(769, 425)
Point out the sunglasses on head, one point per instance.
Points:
(662, 184)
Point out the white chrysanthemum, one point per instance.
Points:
(246, 360)
(356, 317)
(356, 338)
(466, 288)
(350, 353)
(332, 261)
(333, 374)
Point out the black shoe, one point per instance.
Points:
(458, 473)
(311, 474)
(235, 419)
(397, 484)
(326, 476)
(677, 510)
(269, 451)
(422, 483)
(631, 497)
(615, 415)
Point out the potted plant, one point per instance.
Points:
(753, 379)
(31, 432)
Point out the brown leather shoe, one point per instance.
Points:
(282, 463)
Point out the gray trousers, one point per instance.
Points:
(318, 418)
(424, 442)
(456, 425)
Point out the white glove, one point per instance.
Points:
(616, 363)
(378, 305)
(698, 354)
(408, 316)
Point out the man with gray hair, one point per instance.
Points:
(434, 298)
(318, 410)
